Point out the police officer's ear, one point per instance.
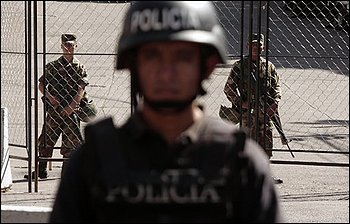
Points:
(210, 64)
(210, 58)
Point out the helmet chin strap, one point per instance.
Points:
(174, 106)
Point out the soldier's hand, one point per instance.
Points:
(54, 101)
(67, 111)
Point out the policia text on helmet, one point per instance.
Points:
(147, 22)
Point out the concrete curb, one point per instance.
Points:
(24, 214)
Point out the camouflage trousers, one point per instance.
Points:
(264, 136)
(54, 126)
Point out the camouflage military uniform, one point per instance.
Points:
(62, 80)
(237, 88)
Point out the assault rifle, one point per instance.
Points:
(232, 114)
(275, 118)
(278, 125)
(277, 122)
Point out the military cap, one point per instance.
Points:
(255, 38)
(68, 38)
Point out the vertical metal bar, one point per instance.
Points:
(28, 68)
(44, 93)
(35, 65)
(257, 82)
(242, 64)
(133, 88)
(44, 62)
(267, 32)
(249, 97)
(266, 58)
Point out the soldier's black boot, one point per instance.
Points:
(277, 180)
(42, 171)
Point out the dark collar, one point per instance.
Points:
(139, 129)
(64, 61)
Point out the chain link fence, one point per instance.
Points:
(308, 42)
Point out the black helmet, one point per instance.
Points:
(170, 20)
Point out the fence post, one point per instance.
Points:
(6, 176)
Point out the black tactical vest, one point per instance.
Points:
(121, 194)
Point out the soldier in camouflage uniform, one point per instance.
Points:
(63, 88)
(241, 90)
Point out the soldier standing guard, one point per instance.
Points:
(240, 90)
(63, 88)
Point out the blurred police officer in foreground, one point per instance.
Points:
(169, 162)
